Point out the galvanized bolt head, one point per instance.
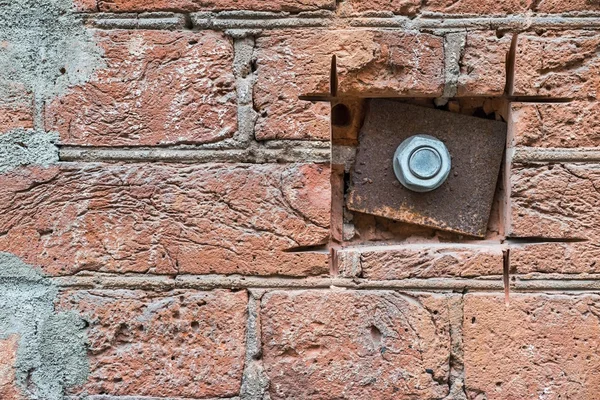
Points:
(422, 163)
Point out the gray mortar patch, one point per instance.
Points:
(51, 354)
(44, 47)
(25, 146)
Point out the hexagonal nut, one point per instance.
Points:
(422, 163)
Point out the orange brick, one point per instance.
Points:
(8, 358)
(402, 7)
(539, 347)
(356, 345)
(210, 218)
(561, 6)
(483, 7)
(558, 64)
(157, 87)
(568, 125)
(182, 343)
(420, 261)
(370, 63)
(483, 65)
(562, 258)
(555, 201)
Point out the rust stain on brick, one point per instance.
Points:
(463, 203)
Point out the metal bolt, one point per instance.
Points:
(422, 163)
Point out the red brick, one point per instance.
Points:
(569, 125)
(558, 64)
(420, 261)
(402, 7)
(370, 63)
(561, 6)
(484, 7)
(210, 218)
(563, 258)
(483, 65)
(182, 343)
(8, 358)
(16, 106)
(539, 347)
(157, 87)
(355, 345)
(555, 201)
(15, 117)
(201, 5)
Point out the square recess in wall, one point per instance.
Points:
(463, 202)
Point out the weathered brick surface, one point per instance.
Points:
(182, 344)
(8, 357)
(200, 5)
(157, 87)
(356, 345)
(16, 106)
(561, 6)
(558, 64)
(402, 7)
(563, 258)
(210, 218)
(489, 7)
(483, 64)
(555, 201)
(538, 347)
(420, 261)
(369, 63)
(12, 117)
(568, 125)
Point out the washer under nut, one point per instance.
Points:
(422, 163)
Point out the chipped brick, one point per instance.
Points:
(182, 343)
(375, 63)
(157, 87)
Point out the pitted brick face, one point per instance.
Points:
(357, 345)
(183, 343)
(157, 88)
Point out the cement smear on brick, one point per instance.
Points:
(25, 146)
(51, 354)
(44, 48)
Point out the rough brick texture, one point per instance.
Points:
(356, 345)
(562, 6)
(182, 343)
(8, 356)
(482, 7)
(538, 347)
(403, 7)
(369, 63)
(200, 5)
(420, 261)
(211, 218)
(555, 201)
(562, 258)
(16, 104)
(157, 87)
(172, 202)
(483, 65)
(558, 64)
(568, 125)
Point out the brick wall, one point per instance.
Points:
(172, 216)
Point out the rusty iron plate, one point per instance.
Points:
(462, 204)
